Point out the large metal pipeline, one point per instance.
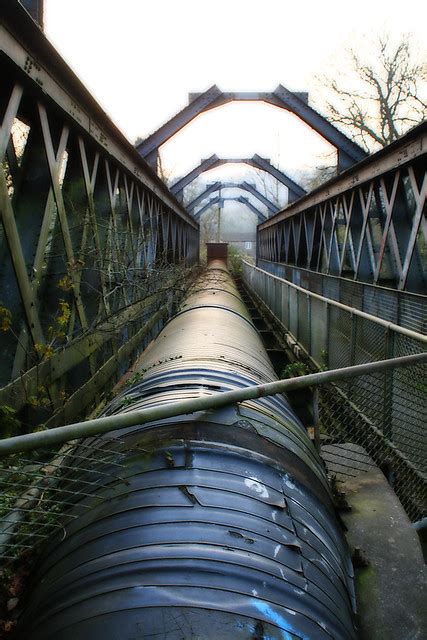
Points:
(222, 527)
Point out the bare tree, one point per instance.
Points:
(381, 99)
(209, 225)
(312, 178)
(268, 186)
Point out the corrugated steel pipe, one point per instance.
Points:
(221, 527)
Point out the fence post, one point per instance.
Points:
(316, 421)
(353, 338)
(328, 336)
(387, 427)
(353, 334)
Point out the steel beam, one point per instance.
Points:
(251, 96)
(252, 190)
(220, 202)
(366, 225)
(36, 10)
(175, 124)
(295, 191)
(210, 189)
(207, 206)
(246, 186)
(86, 224)
(251, 207)
(42, 67)
(348, 151)
(210, 163)
(401, 152)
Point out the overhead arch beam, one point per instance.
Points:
(220, 202)
(250, 188)
(295, 191)
(251, 207)
(348, 151)
(216, 186)
(246, 186)
(205, 165)
(207, 206)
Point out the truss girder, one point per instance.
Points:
(369, 225)
(83, 216)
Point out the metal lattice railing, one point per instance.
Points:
(366, 225)
(382, 415)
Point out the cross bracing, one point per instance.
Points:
(369, 224)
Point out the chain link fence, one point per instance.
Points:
(39, 487)
(369, 420)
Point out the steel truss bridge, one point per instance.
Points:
(96, 254)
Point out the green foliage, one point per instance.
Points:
(324, 358)
(136, 377)
(235, 257)
(9, 423)
(293, 370)
(5, 318)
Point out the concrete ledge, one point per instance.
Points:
(391, 591)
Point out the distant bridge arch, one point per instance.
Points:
(295, 191)
(245, 186)
(220, 201)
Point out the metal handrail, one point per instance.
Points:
(353, 310)
(107, 424)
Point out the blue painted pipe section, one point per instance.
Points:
(217, 525)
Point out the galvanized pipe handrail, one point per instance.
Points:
(353, 310)
(333, 276)
(107, 424)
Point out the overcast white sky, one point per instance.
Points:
(141, 58)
